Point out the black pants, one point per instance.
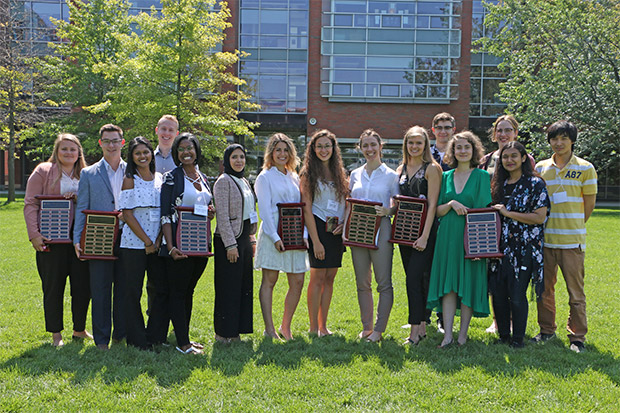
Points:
(181, 278)
(54, 267)
(136, 262)
(234, 288)
(417, 265)
(108, 304)
(510, 301)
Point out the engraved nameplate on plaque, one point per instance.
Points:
(291, 225)
(193, 233)
(409, 219)
(362, 224)
(99, 235)
(55, 218)
(482, 233)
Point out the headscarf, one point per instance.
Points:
(227, 167)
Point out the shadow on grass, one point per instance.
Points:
(121, 365)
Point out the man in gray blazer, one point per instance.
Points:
(99, 190)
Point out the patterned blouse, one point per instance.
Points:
(522, 244)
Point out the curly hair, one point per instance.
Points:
(274, 140)
(313, 168)
(476, 146)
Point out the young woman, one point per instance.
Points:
(278, 183)
(521, 197)
(60, 175)
(420, 177)
(183, 186)
(374, 181)
(455, 281)
(234, 244)
(140, 203)
(324, 189)
(505, 130)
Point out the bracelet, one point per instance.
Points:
(171, 249)
(150, 245)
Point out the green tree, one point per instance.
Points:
(563, 60)
(170, 64)
(19, 87)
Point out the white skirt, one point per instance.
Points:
(269, 258)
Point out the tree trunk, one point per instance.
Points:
(11, 163)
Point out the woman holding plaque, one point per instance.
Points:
(420, 177)
(521, 198)
(234, 243)
(278, 183)
(374, 181)
(457, 282)
(184, 186)
(324, 189)
(60, 176)
(140, 240)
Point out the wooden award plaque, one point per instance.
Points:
(482, 233)
(99, 235)
(409, 219)
(56, 218)
(193, 233)
(362, 224)
(291, 225)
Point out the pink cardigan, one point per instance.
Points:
(229, 210)
(43, 181)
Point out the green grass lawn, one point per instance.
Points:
(332, 373)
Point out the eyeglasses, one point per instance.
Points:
(321, 147)
(446, 128)
(108, 142)
(507, 130)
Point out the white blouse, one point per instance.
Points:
(326, 202)
(68, 184)
(144, 200)
(380, 186)
(249, 203)
(192, 196)
(273, 187)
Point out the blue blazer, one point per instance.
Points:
(95, 193)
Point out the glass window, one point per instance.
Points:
(298, 23)
(433, 7)
(420, 91)
(274, 4)
(298, 55)
(406, 90)
(343, 20)
(273, 67)
(272, 87)
(437, 92)
(360, 20)
(273, 41)
(299, 106)
(272, 54)
(374, 20)
(372, 90)
(249, 3)
(490, 87)
(389, 90)
(408, 21)
(349, 34)
(391, 21)
(297, 88)
(358, 90)
(341, 90)
(298, 4)
(349, 48)
(432, 49)
(273, 22)
(298, 42)
(349, 62)
(249, 41)
(390, 35)
(390, 62)
(249, 21)
(247, 67)
(385, 76)
(390, 49)
(434, 36)
(349, 6)
(440, 22)
(348, 75)
(41, 13)
(295, 68)
(422, 21)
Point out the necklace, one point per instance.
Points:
(70, 176)
(141, 177)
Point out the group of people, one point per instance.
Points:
(543, 207)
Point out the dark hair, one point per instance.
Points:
(313, 168)
(108, 127)
(444, 116)
(177, 141)
(369, 133)
(501, 174)
(131, 168)
(476, 146)
(562, 128)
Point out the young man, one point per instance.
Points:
(572, 186)
(444, 127)
(99, 190)
(167, 129)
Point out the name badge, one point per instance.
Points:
(332, 205)
(154, 215)
(201, 209)
(560, 197)
(253, 217)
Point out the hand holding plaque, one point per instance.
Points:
(409, 220)
(482, 233)
(55, 218)
(99, 235)
(291, 225)
(193, 233)
(362, 224)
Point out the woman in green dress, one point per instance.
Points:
(455, 281)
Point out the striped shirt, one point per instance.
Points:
(566, 224)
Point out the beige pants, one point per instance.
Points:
(571, 262)
(381, 261)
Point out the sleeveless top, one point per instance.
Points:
(417, 185)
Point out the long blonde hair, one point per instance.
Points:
(417, 131)
(79, 164)
(275, 139)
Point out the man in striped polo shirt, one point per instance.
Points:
(571, 182)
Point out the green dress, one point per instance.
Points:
(451, 272)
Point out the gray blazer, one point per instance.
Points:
(229, 210)
(95, 193)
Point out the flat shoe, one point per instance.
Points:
(190, 350)
(363, 336)
(197, 345)
(411, 342)
(371, 340)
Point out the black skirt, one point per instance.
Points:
(332, 244)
